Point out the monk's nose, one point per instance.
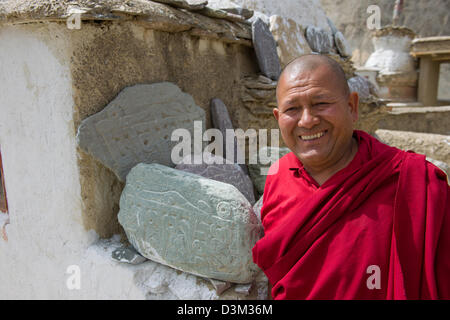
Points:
(308, 119)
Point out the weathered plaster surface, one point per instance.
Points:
(40, 164)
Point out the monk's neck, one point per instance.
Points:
(320, 175)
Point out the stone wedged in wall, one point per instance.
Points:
(190, 223)
(265, 49)
(360, 85)
(221, 120)
(289, 35)
(342, 44)
(319, 40)
(136, 126)
(217, 168)
(151, 14)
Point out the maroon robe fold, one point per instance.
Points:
(377, 229)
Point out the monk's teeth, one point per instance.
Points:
(314, 136)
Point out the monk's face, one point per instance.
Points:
(315, 116)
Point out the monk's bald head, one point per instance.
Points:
(311, 62)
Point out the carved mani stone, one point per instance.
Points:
(190, 223)
(319, 40)
(136, 127)
(217, 169)
(265, 49)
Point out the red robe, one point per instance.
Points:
(377, 229)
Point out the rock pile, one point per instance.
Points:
(196, 216)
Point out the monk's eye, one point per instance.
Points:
(320, 104)
(291, 109)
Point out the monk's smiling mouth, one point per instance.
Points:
(312, 137)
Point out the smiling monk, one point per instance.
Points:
(346, 216)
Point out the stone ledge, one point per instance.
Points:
(152, 15)
(417, 119)
(435, 146)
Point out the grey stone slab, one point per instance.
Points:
(359, 85)
(258, 171)
(185, 4)
(217, 169)
(136, 127)
(265, 49)
(244, 288)
(128, 254)
(319, 40)
(332, 26)
(221, 120)
(342, 45)
(190, 223)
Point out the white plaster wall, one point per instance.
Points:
(38, 145)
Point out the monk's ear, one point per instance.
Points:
(353, 103)
(276, 113)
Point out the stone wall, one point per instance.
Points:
(109, 57)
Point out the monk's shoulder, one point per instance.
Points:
(283, 164)
(436, 169)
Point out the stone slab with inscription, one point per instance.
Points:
(190, 223)
(136, 126)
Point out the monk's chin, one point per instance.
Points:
(310, 158)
